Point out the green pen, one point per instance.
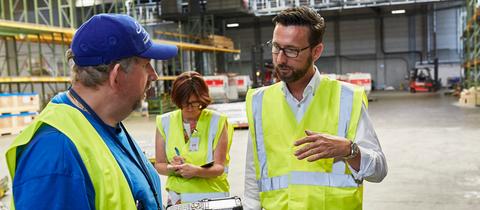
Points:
(177, 151)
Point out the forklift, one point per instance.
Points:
(424, 78)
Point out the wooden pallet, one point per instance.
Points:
(13, 124)
(230, 47)
(18, 110)
(218, 41)
(3, 186)
(10, 131)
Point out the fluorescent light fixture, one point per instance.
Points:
(398, 11)
(232, 25)
(89, 3)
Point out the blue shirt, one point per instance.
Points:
(50, 173)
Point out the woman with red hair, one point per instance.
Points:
(192, 144)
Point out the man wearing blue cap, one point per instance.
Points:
(77, 154)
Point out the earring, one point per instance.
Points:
(200, 107)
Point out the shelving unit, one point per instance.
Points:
(471, 42)
(271, 7)
(34, 36)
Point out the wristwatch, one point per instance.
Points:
(354, 151)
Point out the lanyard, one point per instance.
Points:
(137, 159)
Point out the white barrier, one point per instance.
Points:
(243, 83)
(228, 88)
(221, 88)
(358, 78)
(361, 79)
(217, 86)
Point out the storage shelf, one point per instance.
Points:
(471, 42)
(5, 80)
(20, 30)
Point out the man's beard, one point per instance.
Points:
(295, 74)
(138, 103)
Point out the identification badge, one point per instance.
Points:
(194, 141)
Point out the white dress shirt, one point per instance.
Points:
(373, 165)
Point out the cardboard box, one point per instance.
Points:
(7, 102)
(7, 124)
(22, 120)
(28, 102)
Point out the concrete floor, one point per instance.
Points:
(432, 147)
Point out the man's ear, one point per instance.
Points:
(114, 77)
(317, 51)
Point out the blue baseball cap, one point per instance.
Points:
(109, 37)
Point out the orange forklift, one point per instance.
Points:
(421, 79)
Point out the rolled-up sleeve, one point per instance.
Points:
(373, 165)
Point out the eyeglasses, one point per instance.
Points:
(193, 104)
(288, 51)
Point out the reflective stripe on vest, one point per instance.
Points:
(211, 136)
(306, 178)
(192, 197)
(337, 178)
(257, 116)
(343, 122)
(166, 127)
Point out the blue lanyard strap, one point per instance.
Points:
(138, 160)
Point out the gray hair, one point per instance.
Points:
(92, 76)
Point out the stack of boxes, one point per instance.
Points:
(228, 6)
(17, 110)
(218, 41)
(470, 97)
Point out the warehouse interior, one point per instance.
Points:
(417, 59)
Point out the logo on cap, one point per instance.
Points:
(139, 29)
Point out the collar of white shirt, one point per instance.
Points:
(308, 92)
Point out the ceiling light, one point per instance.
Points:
(232, 25)
(89, 3)
(398, 11)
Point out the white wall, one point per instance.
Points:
(359, 40)
(357, 37)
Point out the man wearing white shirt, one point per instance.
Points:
(311, 141)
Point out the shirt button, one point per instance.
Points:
(298, 105)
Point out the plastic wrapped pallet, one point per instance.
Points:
(7, 124)
(28, 102)
(7, 102)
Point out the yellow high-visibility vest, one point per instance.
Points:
(111, 187)
(209, 127)
(286, 182)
